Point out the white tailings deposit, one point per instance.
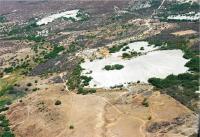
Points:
(189, 17)
(152, 63)
(66, 14)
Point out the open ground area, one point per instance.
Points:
(105, 113)
(104, 68)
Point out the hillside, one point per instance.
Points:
(99, 68)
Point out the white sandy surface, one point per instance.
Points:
(188, 17)
(155, 63)
(67, 14)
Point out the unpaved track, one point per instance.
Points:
(98, 115)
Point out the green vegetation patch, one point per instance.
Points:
(86, 80)
(4, 124)
(113, 67)
(85, 91)
(193, 64)
(125, 48)
(29, 27)
(117, 48)
(35, 38)
(54, 52)
(2, 19)
(130, 55)
(24, 67)
(177, 8)
(82, 15)
(182, 87)
(74, 80)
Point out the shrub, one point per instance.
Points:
(2, 19)
(1, 74)
(34, 89)
(125, 48)
(118, 66)
(71, 127)
(145, 102)
(149, 118)
(7, 134)
(113, 67)
(58, 102)
(35, 38)
(126, 55)
(8, 70)
(3, 109)
(129, 55)
(86, 80)
(116, 48)
(54, 52)
(83, 91)
(142, 48)
(29, 84)
(108, 67)
(82, 15)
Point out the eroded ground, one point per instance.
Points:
(115, 113)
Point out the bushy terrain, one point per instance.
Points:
(182, 87)
(35, 57)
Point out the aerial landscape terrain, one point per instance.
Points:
(99, 68)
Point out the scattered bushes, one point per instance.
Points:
(182, 87)
(54, 52)
(117, 48)
(73, 47)
(86, 80)
(35, 38)
(5, 89)
(82, 15)
(84, 91)
(4, 123)
(113, 67)
(130, 55)
(74, 80)
(125, 48)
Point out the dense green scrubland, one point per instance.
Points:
(182, 87)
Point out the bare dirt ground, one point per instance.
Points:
(116, 113)
(185, 32)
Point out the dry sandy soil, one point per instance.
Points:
(103, 114)
(184, 32)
